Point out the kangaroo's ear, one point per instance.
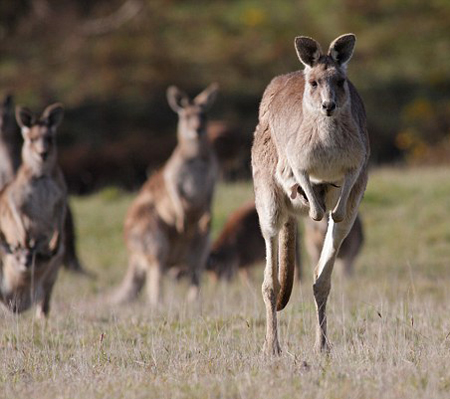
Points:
(25, 118)
(341, 49)
(308, 50)
(207, 97)
(176, 98)
(8, 104)
(53, 115)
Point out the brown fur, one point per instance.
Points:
(10, 160)
(240, 245)
(168, 224)
(309, 156)
(32, 212)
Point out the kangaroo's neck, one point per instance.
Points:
(193, 148)
(35, 171)
(323, 125)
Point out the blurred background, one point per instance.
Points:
(110, 62)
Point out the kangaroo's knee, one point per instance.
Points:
(321, 289)
(270, 291)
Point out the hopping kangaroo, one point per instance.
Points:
(240, 245)
(349, 250)
(32, 212)
(168, 224)
(310, 155)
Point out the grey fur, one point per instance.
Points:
(168, 224)
(32, 212)
(309, 156)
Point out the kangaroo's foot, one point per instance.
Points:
(271, 348)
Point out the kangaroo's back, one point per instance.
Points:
(239, 245)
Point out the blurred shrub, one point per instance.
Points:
(425, 134)
(110, 62)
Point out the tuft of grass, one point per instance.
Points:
(389, 325)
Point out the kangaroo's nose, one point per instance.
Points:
(329, 107)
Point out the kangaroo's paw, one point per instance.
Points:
(41, 313)
(179, 225)
(338, 214)
(316, 212)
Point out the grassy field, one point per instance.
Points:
(389, 325)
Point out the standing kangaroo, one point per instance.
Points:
(310, 155)
(168, 224)
(32, 212)
(350, 247)
(10, 146)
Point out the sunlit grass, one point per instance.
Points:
(389, 325)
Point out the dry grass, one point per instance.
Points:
(389, 325)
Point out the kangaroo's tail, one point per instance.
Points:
(287, 248)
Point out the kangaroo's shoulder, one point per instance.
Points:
(291, 80)
(281, 91)
(150, 189)
(358, 109)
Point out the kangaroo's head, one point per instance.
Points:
(39, 146)
(221, 263)
(326, 86)
(28, 254)
(7, 124)
(191, 113)
(21, 257)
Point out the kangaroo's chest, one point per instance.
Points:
(327, 150)
(39, 201)
(196, 180)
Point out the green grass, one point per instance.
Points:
(389, 325)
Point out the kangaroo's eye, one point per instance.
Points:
(341, 82)
(313, 83)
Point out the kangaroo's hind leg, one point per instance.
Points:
(270, 221)
(336, 233)
(43, 306)
(154, 267)
(133, 281)
(197, 257)
(270, 290)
